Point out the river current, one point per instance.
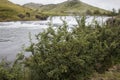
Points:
(14, 35)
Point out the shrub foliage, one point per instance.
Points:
(65, 53)
(74, 54)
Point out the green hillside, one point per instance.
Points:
(12, 12)
(68, 7)
(33, 6)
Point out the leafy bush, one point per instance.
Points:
(74, 54)
(27, 14)
(11, 71)
(88, 12)
(41, 16)
(97, 12)
(65, 53)
(21, 16)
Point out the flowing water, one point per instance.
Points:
(13, 35)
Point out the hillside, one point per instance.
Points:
(13, 12)
(67, 7)
(32, 5)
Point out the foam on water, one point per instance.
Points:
(22, 24)
(56, 21)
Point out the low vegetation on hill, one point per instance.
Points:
(80, 53)
(12, 12)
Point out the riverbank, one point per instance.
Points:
(23, 17)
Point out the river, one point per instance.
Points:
(13, 35)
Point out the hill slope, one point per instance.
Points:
(32, 5)
(12, 12)
(67, 7)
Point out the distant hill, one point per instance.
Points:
(13, 12)
(67, 7)
(33, 5)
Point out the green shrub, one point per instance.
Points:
(11, 71)
(63, 54)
